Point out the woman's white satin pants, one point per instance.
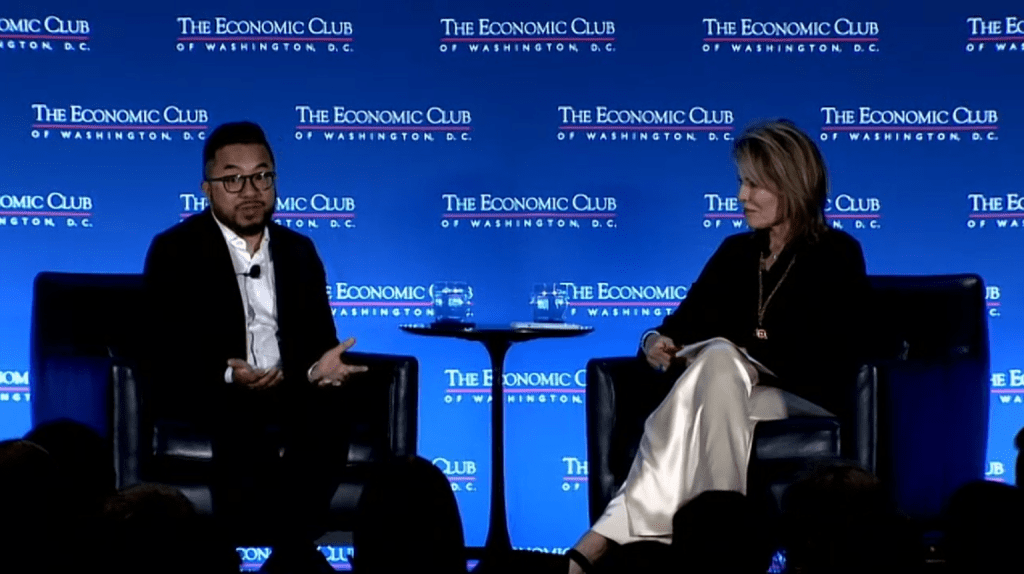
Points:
(698, 439)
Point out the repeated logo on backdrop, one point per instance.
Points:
(620, 124)
(253, 557)
(575, 478)
(14, 387)
(613, 299)
(994, 35)
(848, 212)
(224, 34)
(53, 33)
(52, 210)
(96, 123)
(995, 211)
(1008, 386)
(341, 124)
(488, 36)
(462, 474)
(993, 300)
(781, 37)
(876, 125)
(557, 388)
(996, 471)
(309, 213)
(491, 211)
(407, 301)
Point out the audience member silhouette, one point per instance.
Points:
(984, 529)
(839, 519)
(85, 466)
(29, 514)
(637, 557)
(408, 521)
(408, 518)
(155, 529)
(722, 532)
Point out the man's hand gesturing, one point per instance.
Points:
(331, 371)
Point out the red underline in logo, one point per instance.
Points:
(623, 304)
(827, 216)
(528, 39)
(993, 303)
(24, 389)
(315, 215)
(259, 39)
(125, 127)
(790, 39)
(41, 37)
(995, 39)
(906, 128)
(303, 215)
(461, 478)
(381, 304)
(488, 390)
(652, 128)
(49, 213)
(386, 128)
(527, 215)
(994, 215)
(338, 566)
(575, 478)
(1007, 391)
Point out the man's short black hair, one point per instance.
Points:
(233, 133)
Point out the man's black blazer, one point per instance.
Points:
(199, 321)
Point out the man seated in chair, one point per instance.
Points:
(245, 347)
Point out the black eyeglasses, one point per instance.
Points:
(261, 181)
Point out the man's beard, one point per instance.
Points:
(250, 229)
(255, 228)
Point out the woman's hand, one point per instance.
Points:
(660, 351)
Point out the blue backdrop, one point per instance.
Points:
(506, 144)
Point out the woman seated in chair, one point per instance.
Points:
(770, 329)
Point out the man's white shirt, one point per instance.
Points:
(259, 300)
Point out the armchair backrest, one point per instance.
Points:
(80, 322)
(933, 387)
(932, 317)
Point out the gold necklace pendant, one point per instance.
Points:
(762, 304)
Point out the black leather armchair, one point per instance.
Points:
(920, 409)
(87, 333)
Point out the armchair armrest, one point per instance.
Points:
(615, 419)
(125, 423)
(861, 441)
(600, 410)
(933, 414)
(398, 375)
